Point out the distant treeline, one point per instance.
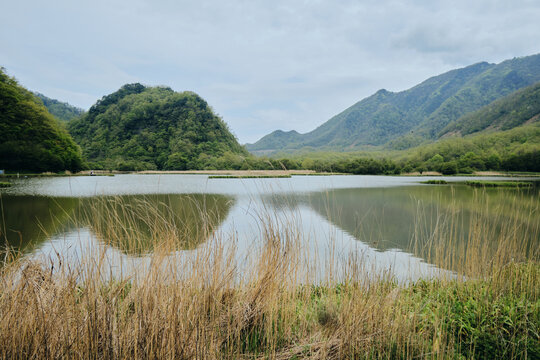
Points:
(526, 159)
(513, 150)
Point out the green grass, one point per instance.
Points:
(498, 183)
(5, 184)
(435, 182)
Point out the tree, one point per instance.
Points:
(32, 139)
(435, 162)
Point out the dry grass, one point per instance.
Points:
(239, 173)
(424, 173)
(210, 308)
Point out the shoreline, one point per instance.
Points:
(255, 173)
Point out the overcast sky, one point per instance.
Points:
(262, 65)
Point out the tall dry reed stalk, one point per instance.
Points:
(210, 308)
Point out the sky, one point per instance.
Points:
(261, 65)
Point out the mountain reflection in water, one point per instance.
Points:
(129, 223)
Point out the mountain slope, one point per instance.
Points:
(31, 138)
(62, 110)
(140, 127)
(409, 117)
(277, 139)
(518, 108)
(495, 83)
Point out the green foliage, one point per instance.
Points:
(435, 163)
(435, 182)
(63, 111)
(357, 165)
(449, 168)
(512, 150)
(504, 114)
(482, 321)
(146, 128)
(498, 183)
(471, 160)
(32, 139)
(517, 149)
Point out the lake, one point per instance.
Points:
(389, 222)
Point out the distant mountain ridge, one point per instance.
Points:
(408, 118)
(278, 139)
(62, 110)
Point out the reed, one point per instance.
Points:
(204, 304)
(248, 176)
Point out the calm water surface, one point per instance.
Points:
(376, 217)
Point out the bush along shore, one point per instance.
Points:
(208, 306)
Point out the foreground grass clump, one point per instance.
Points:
(120, 319)
(5, 184)
(208, 306)
(480, 319)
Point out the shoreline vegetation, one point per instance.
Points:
(515, 184)
(251, 173)
(483, 183)
(280, 305)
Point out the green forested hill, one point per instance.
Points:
(138, 128)
(514, 110)
(31, 138)
(62, 110)
(408, 118)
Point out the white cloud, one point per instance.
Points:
(261, 65)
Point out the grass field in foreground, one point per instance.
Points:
(489, 308)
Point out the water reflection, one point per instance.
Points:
(136, 224)
(396, 220)
(130, 223)
(408, 218)
(27, 221)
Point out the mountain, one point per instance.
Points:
(405, 119)
(519, 108)
(62, 110)
(139, 127)
(276, 140)
(31, 138)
